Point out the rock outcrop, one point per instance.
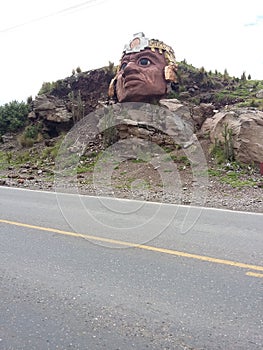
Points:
(162, 126)
(50, 108)
(70, 99)
(246, 129)
(77, 96)
(259, 94)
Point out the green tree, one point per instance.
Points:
(226, 75)
(13, 116)
(243, 76)
(29, 100)
(46, 88)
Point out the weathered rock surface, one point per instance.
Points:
(246, 127)
(57, 110)
(194, 116)
(180, 109)
(50, 108)
(156, 124)
(70, 100)
(91, 86)
(201, 113)
(259, 94)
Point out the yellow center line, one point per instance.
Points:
(142, 246)
(254, 274)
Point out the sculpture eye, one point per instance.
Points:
(144, 62)
(123, 65)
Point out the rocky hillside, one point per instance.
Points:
(28, 156)
(199, 86)
(60, 104)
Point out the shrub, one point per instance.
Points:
(46, 88)
(224, 150)
(31, 135)
(111, 68)
(77, 106)
(13, 116)
(25, 141)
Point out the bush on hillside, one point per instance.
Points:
(13, 116)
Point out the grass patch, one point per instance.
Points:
(234, 175)
(235, 181)
(88, 168)
(213, 172)
(138, 160)
(52, 151)
(168, 171)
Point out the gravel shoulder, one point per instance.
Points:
(224, 186)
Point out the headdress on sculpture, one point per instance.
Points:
(139, 43)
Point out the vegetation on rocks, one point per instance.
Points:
(13, 116)
(28, 158)
(198, 85)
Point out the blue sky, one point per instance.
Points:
(44, 40)
(257, 21)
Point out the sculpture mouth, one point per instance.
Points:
(131, 79)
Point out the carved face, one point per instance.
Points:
(141, 77)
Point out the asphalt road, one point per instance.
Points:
(94, 273)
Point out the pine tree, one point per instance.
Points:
(243, 76)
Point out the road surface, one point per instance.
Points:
(82, 272)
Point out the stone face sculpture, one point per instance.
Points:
(146, 71)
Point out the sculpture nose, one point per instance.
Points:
(131, 67)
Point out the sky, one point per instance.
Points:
(43, 41)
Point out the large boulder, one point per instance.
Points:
(201, 112)
(194, 116)
(50, 108)
(259, 94)
(245, 127)
(181, 110)
(159, 125)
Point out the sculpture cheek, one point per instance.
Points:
(120, 90)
